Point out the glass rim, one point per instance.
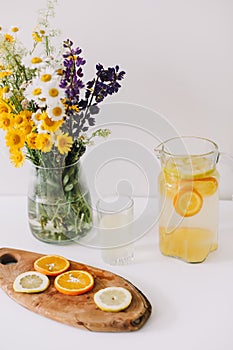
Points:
(53, 167)
(182, 138)
(129, 205)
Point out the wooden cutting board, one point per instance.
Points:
(79, 311)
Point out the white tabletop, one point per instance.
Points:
(192, 304)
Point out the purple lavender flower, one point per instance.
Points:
(72, 74)
(106, 82)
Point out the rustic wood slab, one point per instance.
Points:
(79, 311)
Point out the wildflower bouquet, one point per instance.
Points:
(46, 110)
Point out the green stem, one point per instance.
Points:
(47, 45)
(56, 211)
(21, 68)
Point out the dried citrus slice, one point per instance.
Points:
(31, 282)
(113, 299)
(51, 265)
(187, 202)
(74, 282)
(206, 186)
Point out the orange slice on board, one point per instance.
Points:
(74, 282)
(51, 265)
(206, 186)
(187, 202)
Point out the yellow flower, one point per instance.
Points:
(31, 140)
(64, 143)
(5, 73)
(15, 139)
(6, 89)
(6, 121)
(18, 119)
(67, 105)
(17, 158)
(44, 142)
(36, 37)
(5, 107)
(23, 122)
(27, 115)
(14, 29)
(50, 125)
(75, 108)
(26, 127)
(9, 38)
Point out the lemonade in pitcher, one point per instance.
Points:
(188, 198)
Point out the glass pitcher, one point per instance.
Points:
(188, 198)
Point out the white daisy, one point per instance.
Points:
(56, 111)
(41, 30)
(33, 61)
(36, 118)
(53, 92)
(34, 91)
(47, 75)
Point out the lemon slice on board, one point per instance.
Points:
(31, 282)
(113, 299)
(51, 265)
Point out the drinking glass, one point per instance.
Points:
(115, 227)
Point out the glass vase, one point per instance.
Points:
(59, 206)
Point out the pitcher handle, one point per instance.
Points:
(227, 159)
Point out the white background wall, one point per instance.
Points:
(178, 55)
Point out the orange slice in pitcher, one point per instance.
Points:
(187, 202)
(206, 186)
(51, 265)
(74, 282)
